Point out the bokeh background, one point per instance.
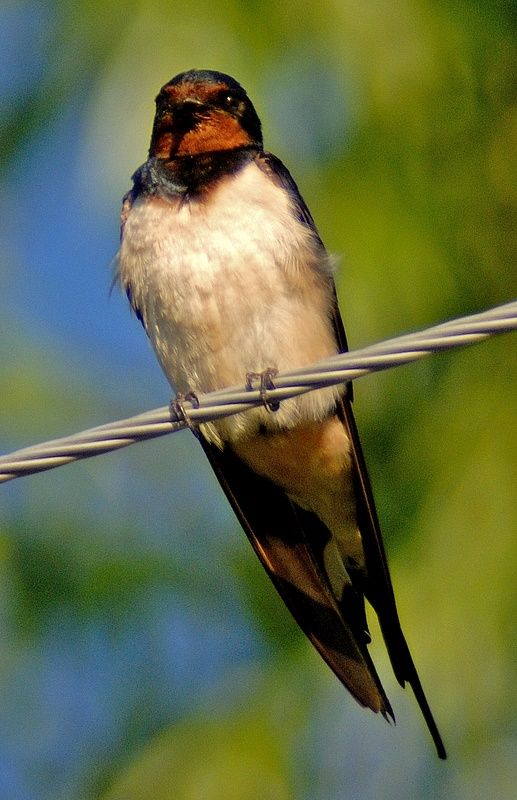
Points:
(144, 654)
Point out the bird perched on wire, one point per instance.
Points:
(222, 263)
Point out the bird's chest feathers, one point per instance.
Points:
(226, 283)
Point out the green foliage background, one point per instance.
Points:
(399, 123)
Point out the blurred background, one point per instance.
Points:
(144, 653)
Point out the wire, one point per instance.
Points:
(338, 369)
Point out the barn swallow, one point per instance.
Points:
(222, 263)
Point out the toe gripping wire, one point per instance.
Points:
(179, 413)
(266, 385)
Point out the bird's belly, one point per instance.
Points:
(223, 295)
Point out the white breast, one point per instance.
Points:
(229, 284)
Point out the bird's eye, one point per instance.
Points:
(231, 103)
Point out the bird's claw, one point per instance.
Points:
(266, 384)
(178, 409)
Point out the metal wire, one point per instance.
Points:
(338, 369)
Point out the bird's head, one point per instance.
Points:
(202, 111)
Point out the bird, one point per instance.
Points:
(222, 263)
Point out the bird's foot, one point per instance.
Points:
(178, 410)
(266, 384)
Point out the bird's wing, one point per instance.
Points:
(289, 542)
(127, 205)
(377, 586)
